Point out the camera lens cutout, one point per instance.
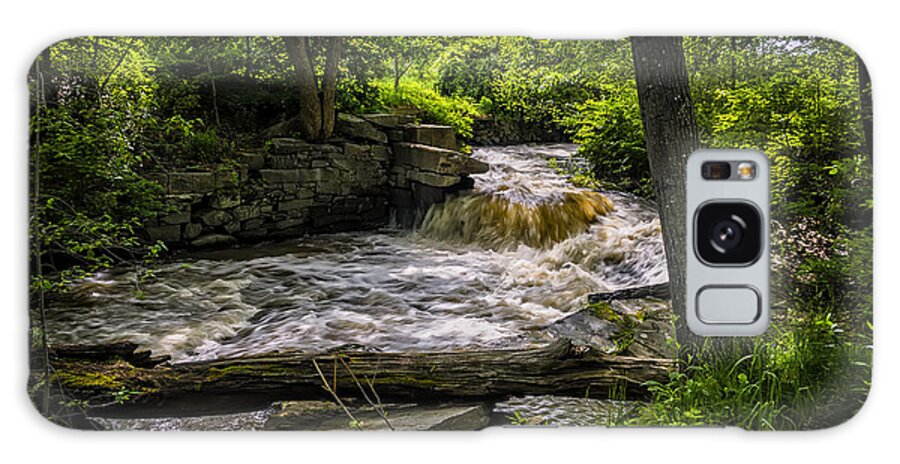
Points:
(728, 233)
(716, 170)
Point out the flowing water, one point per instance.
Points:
(486, 270)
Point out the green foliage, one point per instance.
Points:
(364, 63)
(90, 129)
(536, 84)
(625, 323)
(104, 112)
(124, 395)
(611, 138)
(434, 107)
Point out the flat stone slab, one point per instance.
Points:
(432, 179)
(316, 415)
(278, 176)
(358, 128)
(324, 415)
(192, 182)
(286, 146)
(254, 420)
(388, 120)
(429, 134)
(437, 160)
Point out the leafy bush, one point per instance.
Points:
(176, 141)
(436, 108)
(533, 84)
(91, 195)
(611, 137)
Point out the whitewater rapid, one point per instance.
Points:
(446, 286)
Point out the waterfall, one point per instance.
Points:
(520, 201)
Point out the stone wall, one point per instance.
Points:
(376, 170)
(488, 131)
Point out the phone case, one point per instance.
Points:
(435, 233)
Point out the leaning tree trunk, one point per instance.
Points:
(671, 135)
(309, 115)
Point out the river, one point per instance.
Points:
(490, 269)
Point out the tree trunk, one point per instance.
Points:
(671, 135)
(43, 62)
(865, 107)
(396, 74)
(733, 68)
(248, 57)
(215, 93)
(862, 217)
(315, 118)
(557, 368)
(329, 86)
(309, 115)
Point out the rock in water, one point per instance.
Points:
(211, 240)
(324, 415)
(585, 329)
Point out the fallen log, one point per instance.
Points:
(560, 368)
(660, 291)
(127, 351)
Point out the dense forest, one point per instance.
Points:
(106, 111)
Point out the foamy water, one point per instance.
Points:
(389, 290)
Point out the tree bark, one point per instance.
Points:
(865, 107)
(215, 93)
(733, 68)
(309, 114)
(667, 113)
(396, 74)
(557, 368)
(329, 86)
(248, 57)
(861, 217)
(315, 117)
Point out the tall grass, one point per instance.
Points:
(805, 374)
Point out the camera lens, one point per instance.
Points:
(716, 170)
(728, 233)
